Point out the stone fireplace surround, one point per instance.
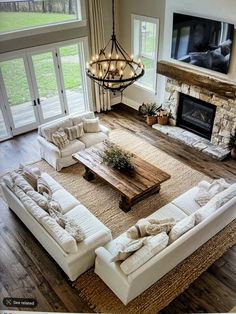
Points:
(224, 122)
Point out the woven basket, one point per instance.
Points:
(163, 120)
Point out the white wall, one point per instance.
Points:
(222, 10)
(152, 8)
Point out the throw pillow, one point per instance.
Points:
(30, 174)
(75, 132)
(58, 216)
(146, 227)
(74, 230)
(205, 193)
(91, 125)
(59, 138)
(125, 250)
(53, 204)
(182, 227)
(43, 187)
(153, 246)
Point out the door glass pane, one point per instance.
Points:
(3, 129)
(47, 85)
(18, 94)
(72, 78)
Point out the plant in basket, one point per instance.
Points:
(150, 110)
(116, 157)
(163, 117)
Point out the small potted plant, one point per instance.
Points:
(232, 145)
(150, 110)
(163, 117)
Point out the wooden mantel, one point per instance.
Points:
(190, 76)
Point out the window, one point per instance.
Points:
(145, 42)
(19, 14)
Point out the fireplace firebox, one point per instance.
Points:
(196, 115)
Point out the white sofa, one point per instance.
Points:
(60, 158)
(128, 287)
(96, 233)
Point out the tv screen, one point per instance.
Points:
(202, 42)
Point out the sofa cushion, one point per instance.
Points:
(43, 187)
(65, 199)
(59, 138)
(186, 202)
(53, 185)
(75, 131)
(91, 125)
(168, 211)
(37, 212)
(78, 118)
(182, 227)
(153, 246)
(90, 139)
(48, 129)
(61, 236)
(72, 148)
(88, 223)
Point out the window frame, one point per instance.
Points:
(48, 28)
(141, 18)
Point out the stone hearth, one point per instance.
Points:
(224, 122)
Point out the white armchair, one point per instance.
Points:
(60, 158)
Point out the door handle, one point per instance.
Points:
(38, 100)
(34, 103)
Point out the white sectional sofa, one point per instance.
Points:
(60, 158)
(128, 287)
(96, 233)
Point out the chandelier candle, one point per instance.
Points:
(113, 68)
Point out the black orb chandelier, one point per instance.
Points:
(113, 69)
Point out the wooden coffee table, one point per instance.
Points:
(145, 181)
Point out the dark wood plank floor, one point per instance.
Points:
(26, 270)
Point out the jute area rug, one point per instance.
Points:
(102, 201)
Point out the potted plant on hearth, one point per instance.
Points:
(163, 117)
(150, 110)
(232, 145)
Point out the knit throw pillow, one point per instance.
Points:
(74, 132)
(91, 125)
(59, 138)
(30, 174)
(43, 187)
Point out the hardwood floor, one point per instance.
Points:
(26, 270)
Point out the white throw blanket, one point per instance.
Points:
(206, 193)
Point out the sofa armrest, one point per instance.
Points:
(105, 257)
(49, 146)
(104, 129)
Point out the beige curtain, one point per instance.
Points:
(102, 98)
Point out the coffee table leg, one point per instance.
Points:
(89, 176)
(124, 204)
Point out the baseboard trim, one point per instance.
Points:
(126, 101)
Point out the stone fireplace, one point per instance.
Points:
(204, 116)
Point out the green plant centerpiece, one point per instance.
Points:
(115, 157)
(232, 144)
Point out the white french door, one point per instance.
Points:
(40, 85)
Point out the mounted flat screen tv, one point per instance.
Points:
(202, 42)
